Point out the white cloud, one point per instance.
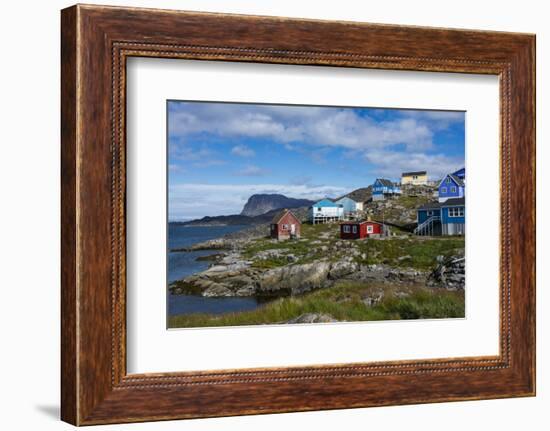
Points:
(198, 200)
(252, 171)
(243, 151)
(325, 127)
(175, 168)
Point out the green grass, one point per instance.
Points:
(303, 248)
(422, 251)
(343, 302)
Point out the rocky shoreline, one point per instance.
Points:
(231, 274)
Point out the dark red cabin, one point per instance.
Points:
(285, 225)
(358, 230)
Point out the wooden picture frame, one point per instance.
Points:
(95, 43)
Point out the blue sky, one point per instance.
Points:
(221, 153)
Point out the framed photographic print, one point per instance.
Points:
(322, 214)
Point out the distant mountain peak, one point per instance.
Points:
(258, 204)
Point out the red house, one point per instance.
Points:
(358, 230)
(285, 225)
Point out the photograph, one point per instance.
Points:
(295, 214)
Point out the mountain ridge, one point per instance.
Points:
(259, 204)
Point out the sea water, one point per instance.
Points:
(183, 264)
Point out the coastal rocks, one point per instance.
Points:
(217, 290)
(312, 318)
(295, 279)
(242, 285)
(387, 274)
(342, 268)
(449, 273)
(281, 254)
(212, 244)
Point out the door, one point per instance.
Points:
(293, 229)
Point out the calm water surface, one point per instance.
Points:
(182, 264)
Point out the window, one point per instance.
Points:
(453, 189)
(456, 212)
(285, 227)
(370, 228)
(430, 213)
(354, 229)
(346, 229)
(448, 181)
(443, 189)
(318, 209)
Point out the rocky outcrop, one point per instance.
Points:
(449, 273)
(294, 279)
(233, 276)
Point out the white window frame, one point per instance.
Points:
(346, 228)
(354, 229)
(370, 228)
(453, 189)
(285, 226)
(456, 211)
(443, 189)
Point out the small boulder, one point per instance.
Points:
(217, 290)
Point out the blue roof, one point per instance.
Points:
(325, 203)
(461, 171)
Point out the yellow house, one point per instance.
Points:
(415, 178)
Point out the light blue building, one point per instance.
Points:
(350, 206)
(442, 218)
(325, 211)
(384, 188)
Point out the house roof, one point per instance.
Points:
(453, 202)
(460, 171)
(325, 203)
(408, 174)
(430, 206)
(458, 181)
(448, 203)
(277, 218)
(361, 222)
(385, 182)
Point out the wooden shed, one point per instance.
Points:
(358, 230)
(285, 225)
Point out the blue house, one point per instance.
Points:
(325, 211)
(442, 218)
(384, 188)
(350, 206)
(452, 185)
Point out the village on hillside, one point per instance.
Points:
(442, 211)
(392, 250)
